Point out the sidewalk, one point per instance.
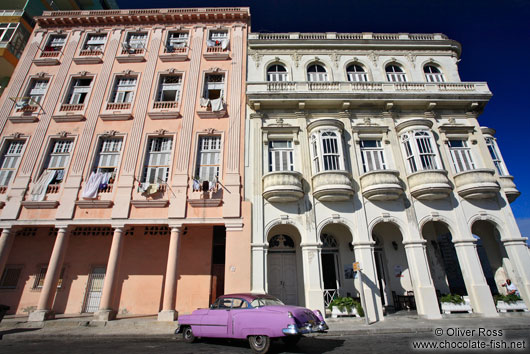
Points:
(17, 328)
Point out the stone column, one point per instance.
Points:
(237, 258)
(106, 312)
(45, 306)
(6, 241)
(259, 267)
(364, 254)
(168, 312)
(476, 285)
(314, 294)
(519, 256)
(424, 292)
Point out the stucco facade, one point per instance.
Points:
(368, 148)
(122, 138)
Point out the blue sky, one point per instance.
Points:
(495, 36)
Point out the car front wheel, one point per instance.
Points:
(259, 344)
(187, 335)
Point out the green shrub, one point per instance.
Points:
(346, 304)
(452, 298)
(506, 298)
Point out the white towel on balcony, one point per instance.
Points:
(224, 43)
(92, 185)
(204, 102)
(39, 189)
(217, 105)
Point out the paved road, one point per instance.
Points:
(381, 343)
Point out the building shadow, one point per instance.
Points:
(17, 330)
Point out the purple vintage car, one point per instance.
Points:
(256, 317)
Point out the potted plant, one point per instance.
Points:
(345, 306)
(509, 303)
(455, 303)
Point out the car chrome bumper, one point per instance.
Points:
(293, 330)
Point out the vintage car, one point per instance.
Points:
(256, 317)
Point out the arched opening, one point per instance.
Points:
(356, 73)
(394, 73)
(337, 262)
(276, 72)
(316, 73)
(495, 263)
(443, 261)
(393, 274)
(284, 265)
(433, 73)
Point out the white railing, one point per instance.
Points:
(357, 77)
(434, 77)
(396, 77)
(329, 295)
(350, 36)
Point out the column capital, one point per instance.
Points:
(465, 242)
(6, 229)
(412, 243)
(178, 225)
(363, 243)
(118, 226)
(63, 227)
(514, 241)
(234, 226)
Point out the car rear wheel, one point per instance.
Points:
(187, 335)
(259, 344)
(291, 341)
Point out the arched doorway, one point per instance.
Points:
(330, 270)
(443, 261)
(394, 276)
(493, 257)
(282, 270)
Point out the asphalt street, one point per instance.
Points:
(380, 343)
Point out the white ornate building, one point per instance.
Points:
(367, 147)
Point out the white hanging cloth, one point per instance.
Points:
(92, 185)
(38, 192)
(217, 104)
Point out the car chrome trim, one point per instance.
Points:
(293, 330)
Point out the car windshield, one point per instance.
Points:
(265, 301)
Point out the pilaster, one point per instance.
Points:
(6, 242)
(314, 298)
(364, 254)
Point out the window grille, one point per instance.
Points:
(7, 30)
(177, 39)
(216, 35)
(10, 277)
(395, 74)
(419, 151)
(37, 89)
(124, 90)
(372, 155)
(496, 156)
(214, 87)
(330, 151)
(156, 169)
(10, 160)
(433, 74)
(55, 43)
(209, 158)
(356, 73)
(169, 88)
(79, 90)
(95, 42)
(328, 241)
(109, 155)
(281, 155)
(41, 275)
(276, 73)
(137, 40)
(461, 155)
(316, 73)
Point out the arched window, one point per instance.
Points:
(356, 73)
(394, 73)
(328, 242)
(326, 149)
(281, 242)
(433, 74)
(316, 73)
(277, 72)
(420, 151)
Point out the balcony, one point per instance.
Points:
(429, 184)
(164, 110)
(282, 187)
(48, 57)
(174, 54)
(158, 199)
(70, 113)
(208, 112)
(117, 111)
(89, 56)
(216, 53)
(132, 55)
(509, 188)
(332, 186)
(289, 93)
(477, 184)
(381, 185)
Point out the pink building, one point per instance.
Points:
(121, 164)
